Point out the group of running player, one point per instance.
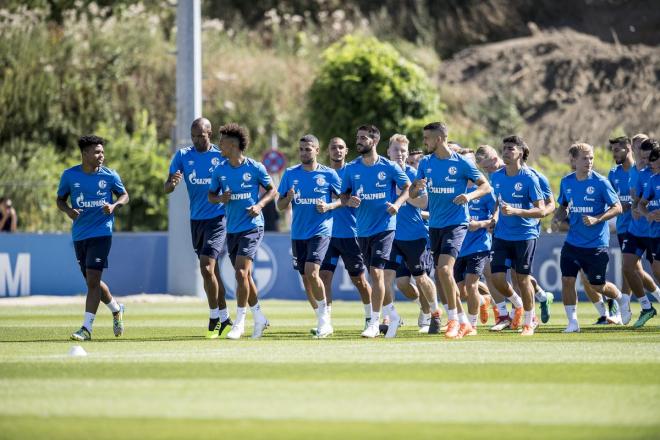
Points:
(435, 225)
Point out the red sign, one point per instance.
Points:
(274, 161)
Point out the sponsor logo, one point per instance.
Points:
(517, 196)
(192, 178)
(223, 177)
(76, 185)
(264, 271)
(247, 177)
(82, 203)
(568, 190)
(101, 193)
(428, 170)
(191, 162)
(442, 190)
(518, 186)
(381, 185)
(240, 196)
(320, 190)
(357, 176)
(245, 185)
(98, 260)
(102, 184)
(582, 209)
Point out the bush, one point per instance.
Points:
(364, 81)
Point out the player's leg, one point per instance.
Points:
(498, 300)
(524, 258)
(569, 298)
(544, 299)
(376, 252)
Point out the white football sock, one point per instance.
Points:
(571, 313)
(214, 313)
(113, 306)
(644, 302)
(516, 300)
(600, 306)
(88, 322)
(224, 314)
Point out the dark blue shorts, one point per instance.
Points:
(593, 261)
(92, 253)
(447, 240)
(656, 249)
(349, 251)
(473, 263)
(639, 246)
(520, 254)
(408, 258)
(621, 237)
(244, 243)
(311, 250)
(209, 236)
(376, 248)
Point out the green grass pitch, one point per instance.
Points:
(163, 380)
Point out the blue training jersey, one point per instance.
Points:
(519, 191)
(445, 180)
(652, 194)
(310, 188)
(409, 222)
(591, 196)
(639, 179)
(480, 209)
(243, 181)
(197, 169)
(344, 224)
(546, 190)
(375, 185)
(88, 193)
(619, 178)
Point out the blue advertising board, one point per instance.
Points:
(45, 264)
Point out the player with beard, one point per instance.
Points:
(369, 184)
(309, 187)
(343, 241)
(444, 175)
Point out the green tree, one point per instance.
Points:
(362, 80)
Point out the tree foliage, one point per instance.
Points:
(362, 80)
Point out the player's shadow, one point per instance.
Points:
(115, 341)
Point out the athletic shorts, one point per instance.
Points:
(473, 263)
(639, 246)
(592, 261)
(447, 240)
(244, 243)
(349, 251)
(311, 250)
(376, 248)
(656, 249)
(92, 253)
(408, 257)
(209, 236)
(520, 254)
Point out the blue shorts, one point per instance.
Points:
(349, 251)
(593, 261)
(447, 240)
(473, 263)
(209, 236)
(92, 253)
(376, 248)
(311, 250)
(519, 253)
(656, 249)
(244, 243)
(408, 258)
(639, 246)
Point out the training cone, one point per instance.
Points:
(77, 351)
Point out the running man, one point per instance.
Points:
(589, 201)
(521, 203)
(195, 165)
(235, 183)
(444, 175)
(369, 184)
(344, 242)
(89, 188)
(310, 186)
(649, 206)
(409, 250)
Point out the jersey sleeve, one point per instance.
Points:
(535, 193)
(544, 183)
(63, 189)
(263, 176)
(176, 164)
(491, 202)
(609, 195)
(399, 176)
(346, 185)
(334, 182)
(215, 185)
(284, 184)
(649, 193)
(421, 169)
(562, 199)
(471, 171)
(117, 184)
